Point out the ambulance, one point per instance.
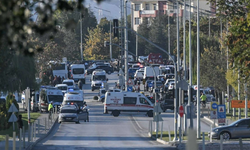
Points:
(47, 95)
(98, 79)
(127, 101)
(73, 98)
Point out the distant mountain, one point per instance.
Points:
(110, 5)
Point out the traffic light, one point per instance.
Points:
(115, 29)
(32, 93)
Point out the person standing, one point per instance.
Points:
(80, 84)
(50, 109)
(20, 123)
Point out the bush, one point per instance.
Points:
(95, 98)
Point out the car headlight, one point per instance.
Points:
(215, 130)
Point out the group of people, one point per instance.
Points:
(56, 80)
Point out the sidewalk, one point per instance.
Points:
(38, 133)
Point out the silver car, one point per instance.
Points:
(68, 113)
(239, 128)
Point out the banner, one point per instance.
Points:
(239, 104)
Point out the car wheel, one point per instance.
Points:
(59, 122)
(225, 135)
(109, 72)
(150, 113)
(116, 113)
(92, 89)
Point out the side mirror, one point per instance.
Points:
(236, 125)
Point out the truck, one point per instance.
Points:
(116, 102)
(149, 72)
(78, 72)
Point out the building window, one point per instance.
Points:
(137, 7)
(155, 6)
(147, 7)
(137, 20)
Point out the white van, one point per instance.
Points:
(127, 101)
(73, 98)
(78, 72)
(34, 101)
(48, 95)
(98, 79)
(149, 73)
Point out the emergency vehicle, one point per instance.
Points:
(47, 95)
(73, 98)
(78, 72)
(34, 103)
(127, 101)
(98, 79)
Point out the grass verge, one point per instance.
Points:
(165, 136)
(33, 117)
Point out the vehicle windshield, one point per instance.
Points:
(55, 98)
(68, 111)
(78, 71)
(62, 87)
(99, 77)
(103, 91)
(79, 103)
(68, 83)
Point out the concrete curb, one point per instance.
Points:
(30, 147)
(211, 121)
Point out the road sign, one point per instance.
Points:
(221, 110)
(13, 118)
(181, 111)
(157, 118)
(182, 84)
(129, 88)
(221, 121)
(239, 104)
(155, 58)
(130, 82)
(12, 108)
(157, 108)
(214, 106)
(213, 114)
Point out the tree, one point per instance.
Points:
(94, 48)
(213, 69)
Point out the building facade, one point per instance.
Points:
(150, 9)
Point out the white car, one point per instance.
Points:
(62, 87)
(139, 74)
(69, 82)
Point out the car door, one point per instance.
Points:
(143, 104)
(82, 114)
(242, 129)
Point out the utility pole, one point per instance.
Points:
(126, 45)
(177, 77)
(121, 38)
(246, 101)
(198, 74)
(169, 35)
(136, 47)
(190, 64)
(228, 95)
(184, 40)
(110, 38)
(239, 110)
(81, 34)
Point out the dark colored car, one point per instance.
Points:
(167, 104)
(108, 69)
(237, 129)
(151, 98)
(131, 72)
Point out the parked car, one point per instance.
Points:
(237, 129)
(68, 113)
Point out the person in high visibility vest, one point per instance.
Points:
(50, 109)
(203, 98)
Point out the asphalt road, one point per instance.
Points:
(102, 132)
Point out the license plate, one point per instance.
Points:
(68, 118)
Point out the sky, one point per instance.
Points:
(110, 5)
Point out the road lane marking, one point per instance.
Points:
(137, 123)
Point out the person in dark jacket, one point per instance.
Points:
(80, 84)
(20, 122)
